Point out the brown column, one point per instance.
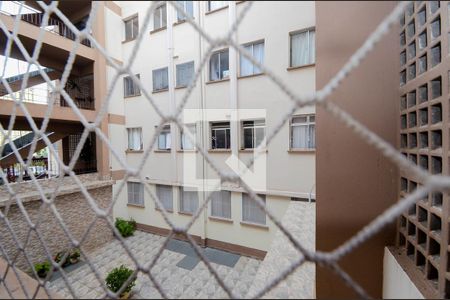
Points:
(355, 182)
(100, 89)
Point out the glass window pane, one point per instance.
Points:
(299, 49)
(224, 68)
(436, 28)
(423, 40)
(214, 72)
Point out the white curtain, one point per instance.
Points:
(185, 141)
(299, 136)
(188, 9)
(134, 139)
(251, 211)
(214, 67)
(258, 54)
(164, 140)
(185, 73)
(299, 49)
(246, 65)
(217, 4)
(189, 201)
(221, 204)
(164, 193)
(135, 193)
(160, 79)
(312, 46)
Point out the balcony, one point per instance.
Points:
(32, 15)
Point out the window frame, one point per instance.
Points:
(140, 138)
(136, 89)
(183, 18)
(292, 33)
(181, 190)
(219, 52)
(308, 123)
(153, 79)
(216, 123)
(253, 43)
(166, 130)
(211, 206)
(159, 10)
(131, 19)
(140, 194)
(177, 85)
(264, 198)
(253, 127)
(162, 202)
(182, 135)
(208, 7)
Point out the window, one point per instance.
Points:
(131, 28)
(160, 17)
(434, 6)
(303, 130)
(164, 194)
(251, 212)
(164, 139)
(130, 89)
(403, 58)
(188, 8)
(402, 39)
(220, 135)
(422, 64)
(412, 50)
(160, 79)
(423, 40)
(185, 74)
(188, 200)
(213, 5)
(186, 143)
(256, 50)
(221, 204)
(253, 133)
(435, 55)
(218, 65)
(436, 28)
(411, 30)
(412, 71)
(135, 193)
(421, 17)
(134, 138)
(303, 48)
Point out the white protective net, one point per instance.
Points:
(328, 259)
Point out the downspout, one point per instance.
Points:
(233, 101)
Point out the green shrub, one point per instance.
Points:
(126, 228)
(117, 277)
(74, 255)
(72, 258)
(42, 268)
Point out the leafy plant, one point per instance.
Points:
(126, 228)
(74, 255)
(42, 268)
(117, 277)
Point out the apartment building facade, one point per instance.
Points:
(169, 54)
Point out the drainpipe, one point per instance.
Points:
(171, 86)
(203, 125)
(233, 101)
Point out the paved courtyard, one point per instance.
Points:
(180, 275)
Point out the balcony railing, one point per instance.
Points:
(54, 26)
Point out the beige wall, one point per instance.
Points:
(297, 177)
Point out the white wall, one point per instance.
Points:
(396, 283)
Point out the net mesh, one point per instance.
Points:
(327, 259)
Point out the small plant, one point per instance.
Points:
(126, 228)
(42, 269)
(74, 256)
(117, 277)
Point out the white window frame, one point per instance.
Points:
(159, 10)
(127, 80)
(256, 124)
(184, 4)
(178, 70)
(221, 199)
(131, 20)
(164, 203)
(130, 130)
(183, 138)
(255, 70)
(166, 69)
(214, 127)
(308, 123)
(253, 205)
(181, 191)
(224, 4)
(310, 54)
(221, 76)
(135, 193)
(166, 132)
